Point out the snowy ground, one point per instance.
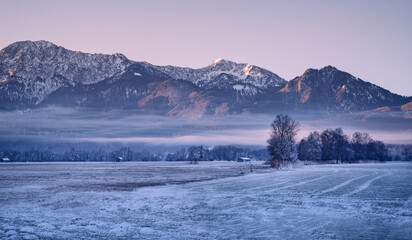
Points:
(178, 201)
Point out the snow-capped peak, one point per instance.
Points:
(222, 73)
(248, 69)
(217, 60)
(221, 62)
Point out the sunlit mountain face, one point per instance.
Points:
(37, 74)
(40, 81)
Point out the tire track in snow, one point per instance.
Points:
(293, 184)
(255, 186)
(365, 185)
(247, 183)
(304, 182)
(342, 184)
(280, 183)
(406, 209)
(238, 202)
(236, 205)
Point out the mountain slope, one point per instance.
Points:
(37, 74)
(333, 90)
(245, 79)
(395, 118)
(30, 71)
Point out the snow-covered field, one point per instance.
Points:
(179, 201)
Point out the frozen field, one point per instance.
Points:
(179, 201)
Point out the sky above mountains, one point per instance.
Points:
(369, 39)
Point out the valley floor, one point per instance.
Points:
(206, 201)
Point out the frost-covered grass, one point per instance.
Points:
(178, 201)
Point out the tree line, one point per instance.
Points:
(333, 144)
(193, 154)
(329, 145)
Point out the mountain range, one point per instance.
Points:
(38, 74)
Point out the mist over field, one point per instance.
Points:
(70, 125)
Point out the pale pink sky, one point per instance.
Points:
(369, 39)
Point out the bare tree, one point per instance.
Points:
(310, 148)
(282, 141)
(359, 144)
(335, 146)
(195, 154)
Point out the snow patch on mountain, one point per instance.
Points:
(31, 71)
(52, 67)
(238, 87)
(240, 74)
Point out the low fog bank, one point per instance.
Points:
(56, 127)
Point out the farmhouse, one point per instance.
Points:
(243, 159)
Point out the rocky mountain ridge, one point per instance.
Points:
(36, 74)
(245, 78)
